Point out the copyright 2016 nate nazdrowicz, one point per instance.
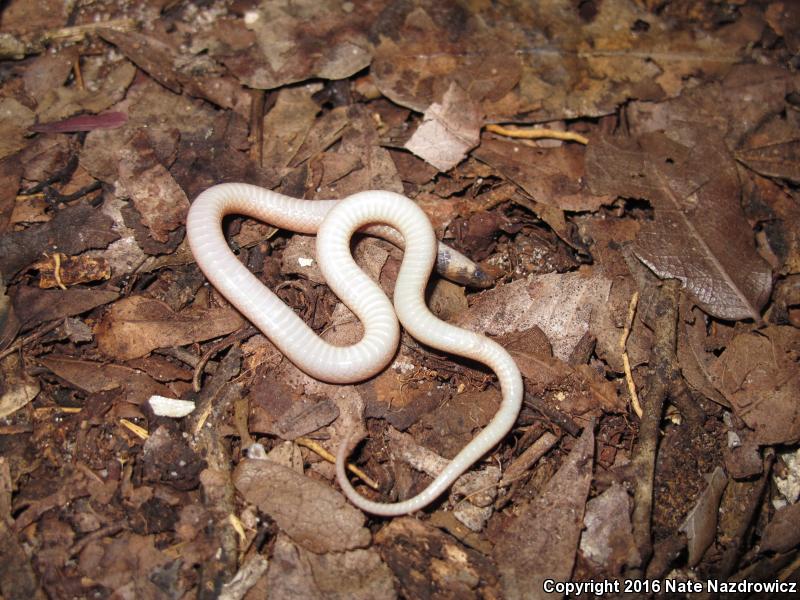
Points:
(654, 586)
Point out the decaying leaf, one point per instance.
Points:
(294, 572)
(700, 526)
(15, 118)
(560, 66)
(10, 174)
(561, 305)
(578, 390)
(287, 124)
(285, 42)
(93, 377)
(541, 542)
(9, 322)
(551, 176)
(608, 538)
(71, 231)
(429, 563)
(757, 373)
(159, 200)
(125, 564)
(695, 359)
(17, 388)
(149, 53)
(311, 513)
(749, 95)
(71, 271)
(60, 103)
(448, 130)
(305, 416)
(137, 325)
(782, 533)
(775, 160)
(699, 234)
(35, 306)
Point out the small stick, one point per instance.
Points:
(536, 134)
(315, 447)
(637, 407)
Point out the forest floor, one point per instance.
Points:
(624, 174)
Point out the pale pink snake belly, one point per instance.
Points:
(335, 222)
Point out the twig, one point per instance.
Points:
(557, 417)
(663, 371)
(31, 338)
(315, 447)
(257, 98)
(57, 270)
(536, 134)
(231, 339)
(637, 408)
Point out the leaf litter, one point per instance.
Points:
(660, 258)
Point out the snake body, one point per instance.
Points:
(334, 222)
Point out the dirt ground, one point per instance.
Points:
(623, 176)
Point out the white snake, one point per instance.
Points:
(334, 222)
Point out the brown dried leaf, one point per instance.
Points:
(699, 234)
(430, 564)
(377, 170)
(310, 512)
(416, 60)
(561, 305)
(21, 17)
(695, 360)
(124, 563)
(608, 539)
(62, 102)
(561, 67)
(17, 388)
(758, 375)
(304, 417)
(10, 175)
(578, 390)
(72, 230)
(14, 122)
(137, 325)
(72, 271)
(551, 176)
(47, 156)
(448, 130)
(93, 377)
(700, 525)
(34, 306)
(323, 134)
(746, 98)
(9, 322)
(159, 200)
(774, 160)
(166, 118)
(151, 54)
(297, 573)
(18, 578)
(287, 124)
(540, 543)
(48, 70)
(286, 42)
(782, 533)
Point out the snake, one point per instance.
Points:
(383, 213)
